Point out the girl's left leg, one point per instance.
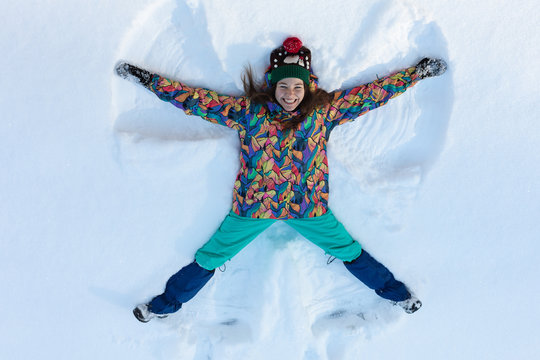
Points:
(377, 277)
(329, 234)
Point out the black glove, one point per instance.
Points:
(428, 67)
(133, 73)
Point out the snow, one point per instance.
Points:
(107, 191)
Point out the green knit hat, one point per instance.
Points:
(290, 60)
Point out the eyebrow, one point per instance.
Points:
(300, 82)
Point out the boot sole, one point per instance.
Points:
(139, 316)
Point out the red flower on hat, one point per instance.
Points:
(292, 45)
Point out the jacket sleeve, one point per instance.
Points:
(219, 109)
(351, 103)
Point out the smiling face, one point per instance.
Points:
(289, 93)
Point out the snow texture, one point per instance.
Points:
(107, 191)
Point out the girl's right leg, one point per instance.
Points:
(234, 233)
(180, 288)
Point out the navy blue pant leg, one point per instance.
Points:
(180, 288)
(377, 277)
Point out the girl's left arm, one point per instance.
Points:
(219, 109)
(351, 103)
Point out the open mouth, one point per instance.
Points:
(289, 102)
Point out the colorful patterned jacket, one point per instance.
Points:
(283, 174)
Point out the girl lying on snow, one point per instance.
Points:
(283, 127)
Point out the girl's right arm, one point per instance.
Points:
(219, 109)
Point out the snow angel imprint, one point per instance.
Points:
(283, 124)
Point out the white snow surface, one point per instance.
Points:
(105, 191)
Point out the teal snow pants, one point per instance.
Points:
(236, 232)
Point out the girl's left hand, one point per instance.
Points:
(429, 67)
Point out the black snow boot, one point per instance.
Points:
(143, 314)
(410, 305)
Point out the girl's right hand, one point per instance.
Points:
(133, 73)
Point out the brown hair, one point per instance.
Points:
(261, 95)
